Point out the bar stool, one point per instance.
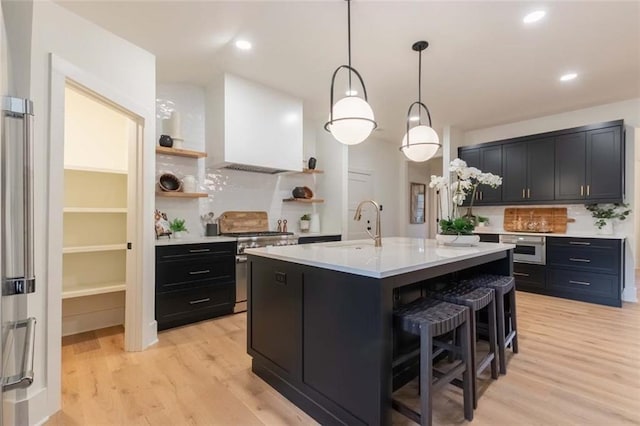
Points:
(476, 299)
(504, 287)
(429, 318)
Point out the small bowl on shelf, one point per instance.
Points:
(302, 192)
(169, 183)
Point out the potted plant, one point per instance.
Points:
(305, 222)
(177, 227)
(457, 229)
(606, 213)
(482, 221)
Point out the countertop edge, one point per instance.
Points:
(550, 234)
(197, 240)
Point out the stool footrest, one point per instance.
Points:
(405, 410)
(485, 363)
(449, 376)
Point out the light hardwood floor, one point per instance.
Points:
(578, 364)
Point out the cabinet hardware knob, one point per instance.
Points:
(204, 271)
(582, 190)
(522, 192)
(579, 282)
(579, 243)
(528, 192)
(195, 302)
(577, 259)
(588, 189)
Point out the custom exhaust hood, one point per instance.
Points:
(251, 127)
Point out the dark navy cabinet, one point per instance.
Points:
(489, 160)
(528, 171)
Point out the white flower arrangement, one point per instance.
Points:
(467, 180)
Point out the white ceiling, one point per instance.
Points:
(484, 66)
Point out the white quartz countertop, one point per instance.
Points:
(193, 240)
(396, 256)
(480, 230)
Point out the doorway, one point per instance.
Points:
(99, 198)
(360, 188)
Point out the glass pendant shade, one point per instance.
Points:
(352, 120)
(424, 143)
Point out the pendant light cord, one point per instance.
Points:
(349, 40)
(420, 85)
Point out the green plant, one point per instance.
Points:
(457, 226)
(483, 219)
(305, 216)
(177, 225)
(606, 212)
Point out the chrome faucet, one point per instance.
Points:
(377, 238)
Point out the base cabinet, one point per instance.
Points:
(194, 282)
(529, 277)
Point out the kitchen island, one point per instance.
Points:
(320, 327)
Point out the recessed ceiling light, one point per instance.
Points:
(568, 76)
(243, 45)
(351, 92)
(534, 16)
(414, 118)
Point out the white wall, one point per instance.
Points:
(629, 111)
(124, 68)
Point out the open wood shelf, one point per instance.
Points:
(95, 210)
(303, 200)
(311, 171)
(180, 152)
(78, 290)
(182, 194)
(94, 249)
(95, 170)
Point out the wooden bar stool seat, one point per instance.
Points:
(430, 318)
(476, 299)
(506, 318)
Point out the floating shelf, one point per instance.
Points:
(182, 194)
(95, 170)
(311, 171)
(94, 249)
(180, 152)
(71, 291)
(95, 210)
(303, 200)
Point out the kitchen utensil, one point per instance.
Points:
(279, 225)
(170, 183)
(284, 225)
(166, 140)
(243, 221)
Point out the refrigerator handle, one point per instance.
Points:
(23, 109)
(25, 378)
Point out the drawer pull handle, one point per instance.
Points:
(577, 259)
(579, 243)
(195, 302)
(579, 282)
(198, 250)
(521, 274)
(204, 271)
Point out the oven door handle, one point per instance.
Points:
(241, 259)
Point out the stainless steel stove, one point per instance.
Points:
(263, 239)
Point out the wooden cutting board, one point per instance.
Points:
(254, 221)
(531, 219)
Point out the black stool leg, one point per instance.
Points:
(493, 346)
(474, 365)
(500, 319)
(467, 381)
(513, 316)
(426, 372)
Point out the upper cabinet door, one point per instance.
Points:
(472, 158)
(540, 170)
(514, 168)
(605, 165)
(490, 162)
(570, 166)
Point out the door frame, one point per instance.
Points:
(61, 72)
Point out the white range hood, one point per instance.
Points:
(252, 127)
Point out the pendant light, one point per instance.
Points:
(351, 118)
(420, 142)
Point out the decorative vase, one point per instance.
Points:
(166, 141)
(607, 228)
(189, 183)
(458, 240)
(312, 163)
(178, 234)
(304, 225)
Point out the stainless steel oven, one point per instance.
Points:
(529, 248)
(241, 283)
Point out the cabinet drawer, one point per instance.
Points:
(583, 283)
(585, 243)
(528, 276)
(176, 275)
(489, 238)
(185, 306)
(192, 251)
(587, 258)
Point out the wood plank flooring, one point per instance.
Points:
(579, 364)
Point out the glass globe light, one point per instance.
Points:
(421, 135)
(357, 127)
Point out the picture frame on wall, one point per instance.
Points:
(417, 203)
